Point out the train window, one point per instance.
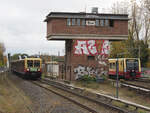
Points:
(110, 65)
(132, 64)
(114, 66)
(30, 63)
(36, 63)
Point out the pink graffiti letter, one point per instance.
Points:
(92, 47)
(105, 47)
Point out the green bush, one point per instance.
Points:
(88, 78)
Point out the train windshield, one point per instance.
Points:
(132, 64)
(30, 63)
(36, 63)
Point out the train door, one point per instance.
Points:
(121, 68)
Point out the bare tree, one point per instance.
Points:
(145, 5)
(2, 50)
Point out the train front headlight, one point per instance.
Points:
(27, 69)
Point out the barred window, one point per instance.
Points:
(78, 22)
(101, 22)
(83, 22)
(97, 23)
(111, 23)
(68, 21)
(73, 21)
(106, 22)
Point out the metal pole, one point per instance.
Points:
(9, 62)
(52, 66)
(139, 51)
(117, 86)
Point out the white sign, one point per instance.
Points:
(90, 23)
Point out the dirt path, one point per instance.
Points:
(21, 96)
(12, 100)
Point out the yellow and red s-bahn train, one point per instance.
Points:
(128, 68)
(30, 68)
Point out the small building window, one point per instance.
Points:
(106, 22)
(111, 23)
(97, 23)
(83, 22)
(73, 21)
(68, 21)
(101, 22)
(91, 57)
(78, 22)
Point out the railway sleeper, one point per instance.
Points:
(105, 101)
(99, 98)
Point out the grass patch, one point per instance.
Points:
(43, 76)
(89, 84)
(108, 87)
(12, 100)
(67, 82)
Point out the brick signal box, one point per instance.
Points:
(87, 37)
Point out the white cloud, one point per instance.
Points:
(21, 23)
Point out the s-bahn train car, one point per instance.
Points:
(30, 68)
(128, 68)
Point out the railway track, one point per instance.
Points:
(143, 80)
(140, 85)
(69, 99)
(68, 94)
(137, 87)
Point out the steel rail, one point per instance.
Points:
(143, 80)
(75, 102)
(120, 110)
(139, 87)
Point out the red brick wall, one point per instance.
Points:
(74, 62)
(49, 27)
(59, 26)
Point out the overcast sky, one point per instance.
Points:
(22, 29)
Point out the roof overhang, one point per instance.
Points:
(57, 15)
(86, 37)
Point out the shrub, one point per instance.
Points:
(88, 78)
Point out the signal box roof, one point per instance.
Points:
(83, 15)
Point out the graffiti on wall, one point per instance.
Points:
(82, 70)
(86, 70)
(97, 48)
(91, 47)
(101, 59)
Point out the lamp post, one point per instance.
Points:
(117, 79)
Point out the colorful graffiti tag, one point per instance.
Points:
(86, 70)
(91, 47)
